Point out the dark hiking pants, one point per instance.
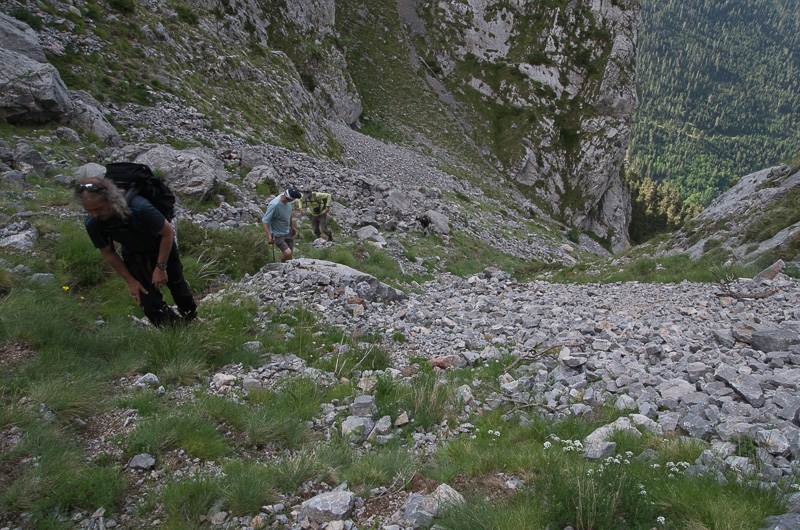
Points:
(141, 266)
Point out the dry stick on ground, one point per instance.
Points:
(531, 356)
(757, 296)
(344, 364)
(727, 291)
(394, 486)
(526, 405)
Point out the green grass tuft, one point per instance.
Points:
(249, 485)
(188, 431)
(186, 502)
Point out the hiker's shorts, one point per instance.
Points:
(284, 242)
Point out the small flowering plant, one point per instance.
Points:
(489, 436)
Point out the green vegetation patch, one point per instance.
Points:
(782, 214)
(188, 431)
(425, 399)
(561, 487)
(233, 252)
(669, 269)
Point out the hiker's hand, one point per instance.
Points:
(271, 239)
(301, 211)
(159, 278)
(136, 290)
(328, 209)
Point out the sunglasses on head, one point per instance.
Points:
(91, 187)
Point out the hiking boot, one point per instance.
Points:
(330, 237)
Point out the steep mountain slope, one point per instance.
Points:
(469, 83)
(106, 425)
(757, 220)
(720, 91)
(543, 92)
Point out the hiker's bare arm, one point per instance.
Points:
(269, 234)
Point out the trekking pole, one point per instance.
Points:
(273, 251)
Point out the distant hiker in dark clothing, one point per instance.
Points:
(150, 257)
(278, 222)
(425, 221)
(318, 204)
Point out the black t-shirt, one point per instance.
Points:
(137, 234)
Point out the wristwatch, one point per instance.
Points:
(162, 266)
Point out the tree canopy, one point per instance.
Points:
(719, 83)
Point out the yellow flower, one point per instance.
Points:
(65, 288)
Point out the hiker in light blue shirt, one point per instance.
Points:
(278, 222)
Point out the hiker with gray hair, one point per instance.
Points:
(149, 258)
(278, 222)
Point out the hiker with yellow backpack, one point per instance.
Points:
(318, 204)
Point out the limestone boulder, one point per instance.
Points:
(31, 92)
(18, 36)
(191, 173)
(89, 117)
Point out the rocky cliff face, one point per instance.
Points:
(755, 218)
(572, 81)
(543, 93)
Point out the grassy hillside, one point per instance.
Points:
(720, 92)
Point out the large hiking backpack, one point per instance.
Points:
(138, 179)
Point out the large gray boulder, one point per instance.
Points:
(330, 506)
(311, 272)
(31, 92)
(192, 173)
(439, 222)
(86, 115)
(19, 37)
(259, 175)
(28, 159)
(90, 170)
(21, 236)
(770, 340)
